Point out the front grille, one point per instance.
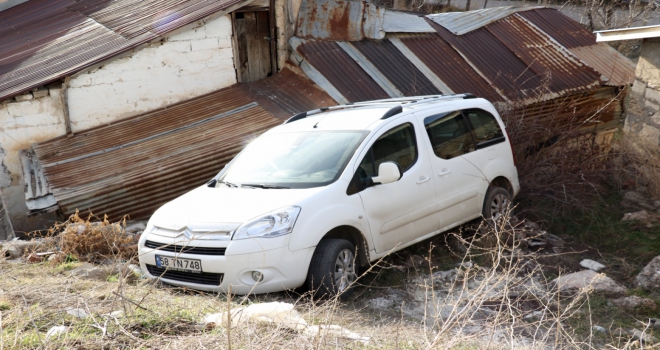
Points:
(185, 249)
(211, 279)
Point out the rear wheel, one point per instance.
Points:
(333, 268)
(497, 203)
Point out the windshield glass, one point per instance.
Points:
(293, 160)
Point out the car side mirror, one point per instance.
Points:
(388, 172)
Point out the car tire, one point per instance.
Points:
(333, 268)
(496, 203)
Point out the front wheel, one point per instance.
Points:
(333, 268)
(496, 203)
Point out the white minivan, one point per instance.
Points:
(310, 202)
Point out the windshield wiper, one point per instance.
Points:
(228, 184)
(264, 186)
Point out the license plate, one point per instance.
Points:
(179, 264)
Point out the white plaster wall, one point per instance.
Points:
(189, 62)
(21, 124)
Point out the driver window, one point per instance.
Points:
(397, 145)
(449, 135)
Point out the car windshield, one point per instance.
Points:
(293, 160)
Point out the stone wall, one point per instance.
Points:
(28, 118)
(643, 117)
(189, 62)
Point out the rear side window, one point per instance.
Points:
(486, 129)
(449, 135)
(397, 145)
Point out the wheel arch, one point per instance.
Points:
(354, 236)
(502, 181)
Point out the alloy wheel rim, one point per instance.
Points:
(345, 270)
(498, 206)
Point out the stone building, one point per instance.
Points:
(643, 114)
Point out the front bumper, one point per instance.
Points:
(281, 268)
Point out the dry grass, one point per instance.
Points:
(92, 240)
(486, 305)
(637, 165)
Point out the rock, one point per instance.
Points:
(656, 204)
(17, 248)
(281, 314)
(642, 336)
(599, 329)
(554, 240)
(80, 313)
(533, 316)
(633, 302)
(636, 199)
(136, 227)
(574, 282)
(379, 303)
(641, 215)
(592, 265)
(654, 323)
(334, 331)
(91, 272)
(649, 278)
(57, 330)
(34, 258)
(116, 314)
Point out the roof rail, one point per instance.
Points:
(395, 110)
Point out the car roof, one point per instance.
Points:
(369, 115)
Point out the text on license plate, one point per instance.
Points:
(179, 264)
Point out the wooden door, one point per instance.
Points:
(253, 40)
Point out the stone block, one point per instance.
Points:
(40, 92)
(652, 95)
(22, 98)
(650, 134)
(204, 44)
(638, 88)
(651, 107)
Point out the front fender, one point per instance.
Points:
(320, 214)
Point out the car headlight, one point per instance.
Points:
(276, 223)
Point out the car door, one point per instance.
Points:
(404, 210)
(456, 166)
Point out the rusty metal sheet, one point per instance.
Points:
(339, 20)
(287, 93)
(448, 65)
(45, 40)
(560, 27)
(396, 67)
(402, 22)
(617, 68)
(498, 65)
(460, 23)
(341, 71)
(558, 68)
(136, 165)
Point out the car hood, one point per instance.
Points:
(231, 206)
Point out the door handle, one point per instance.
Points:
(423, 179)
(444, 171)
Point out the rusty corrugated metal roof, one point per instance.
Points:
(460, 23)
(341, 71)
(548, 60)
(339, 20)
(287, 93)
(448, 65)
(45, 40)
(396, 67)
(560, 27)
(494, 61)
(136, 165)
(618, 69)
